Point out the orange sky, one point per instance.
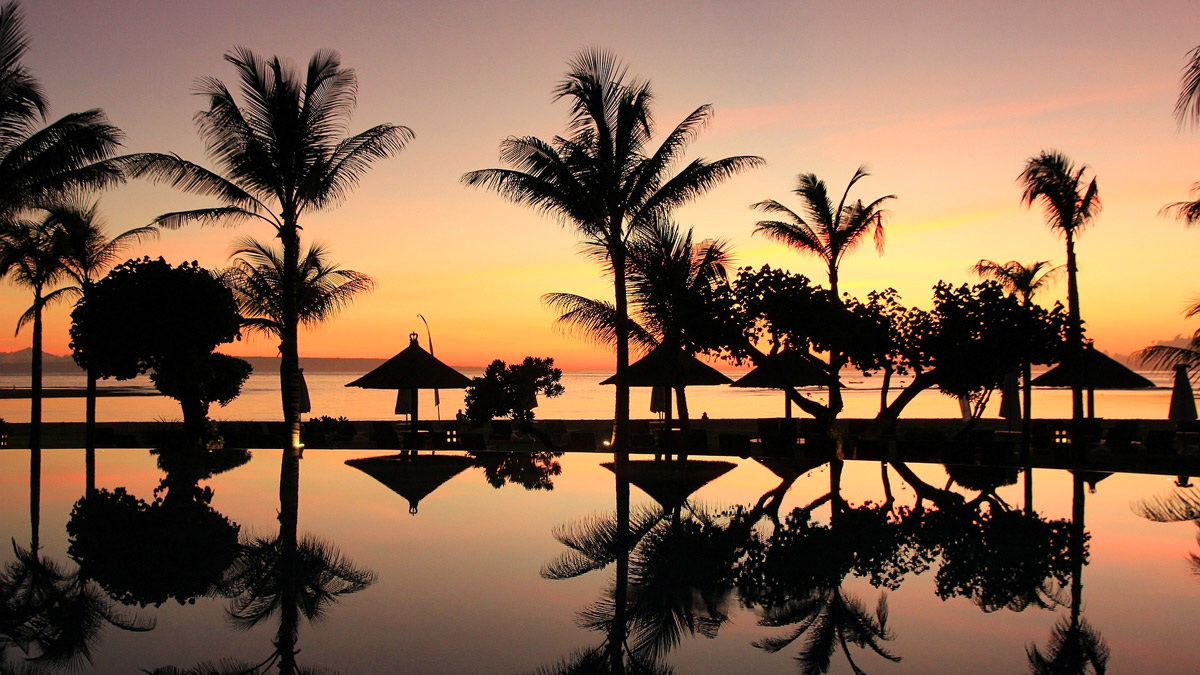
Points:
(944, 101)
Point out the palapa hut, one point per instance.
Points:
(409, 371)
(1097, 371)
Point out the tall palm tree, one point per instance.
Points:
(85, 253)
(830, 233)
(667, 276)
(605, 180)
(27, 257)
(256, 279)
(1069, 204)
(282, 151)
(1187, 109)
(1022, 280)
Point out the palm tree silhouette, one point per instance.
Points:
(1069, 203)
(283, 152)
(86, 252)
(256, 279)
(39, 165)
(27, 257)
(604, 179)
(1023, 280)
(1168, 356)
(830, 233)
(1187, 109)
(668, 276)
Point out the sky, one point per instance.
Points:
(944, 101)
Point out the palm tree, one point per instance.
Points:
(38, 165)
(256, 279)
(27, 257)
(1187, 109)
(605, 180)
(283, 152)
(1069, 203)
(829, 233)
(85, 252)
(1022, 280)
(668, 275)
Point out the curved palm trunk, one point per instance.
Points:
(289, 349)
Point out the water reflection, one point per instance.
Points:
(173, 547)
(679, 566)
(52, 614)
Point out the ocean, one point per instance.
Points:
(584, 398)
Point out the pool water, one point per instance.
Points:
(523, 564)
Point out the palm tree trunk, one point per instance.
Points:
(289, 350)
(1075, 331)
(835, 370)
(35, 380)
(1026, 413)
(289, 582)
(35, 499)
(616, 637)
(620, 438)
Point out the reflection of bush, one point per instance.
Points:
(149, 553)
(1000, 559)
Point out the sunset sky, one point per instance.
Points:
(944, 102)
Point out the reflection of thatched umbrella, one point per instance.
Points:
(412, 477)
(786, 370)
(789, 468)
(671, 483)
(412, 369)
(1183, 404)
(670, 368)
(1097, 371)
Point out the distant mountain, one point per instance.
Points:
(1135, 363)
(19, 362)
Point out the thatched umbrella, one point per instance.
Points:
(670, 368)
(412, 477)
(670, 483)
(411, 370)
(785, 370)
(1096, 371)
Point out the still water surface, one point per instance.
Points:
(718, 576)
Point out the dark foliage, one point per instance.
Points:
(511, 391)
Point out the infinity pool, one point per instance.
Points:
(538, 563)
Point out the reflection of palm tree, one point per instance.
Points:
(289, 575)
(256, 279)
(829, 233)
(831, 619)
(605, 180)
(52, 615)
(1074, 644)
(283, 153)
(668, 275)
(86, 252)
(1070, 204)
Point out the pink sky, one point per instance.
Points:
(944, 101)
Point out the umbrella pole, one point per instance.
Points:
(1091, 403)
(413, 418)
